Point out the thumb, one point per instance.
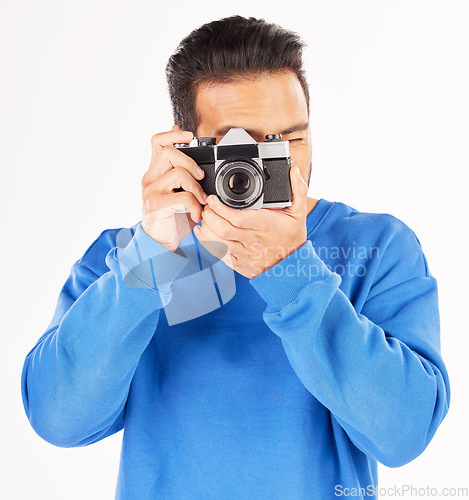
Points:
(299, 189)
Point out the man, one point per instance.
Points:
(326, 360)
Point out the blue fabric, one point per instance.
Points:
(294, 388)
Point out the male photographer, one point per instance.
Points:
(324, 362)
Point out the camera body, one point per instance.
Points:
(242, 172)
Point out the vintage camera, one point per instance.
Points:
(242, 172)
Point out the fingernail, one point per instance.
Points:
(200, 172)
(196, 229)
(204, 196)
(187, 134)
(211, 201)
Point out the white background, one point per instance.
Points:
(82, 90)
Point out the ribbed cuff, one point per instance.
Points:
(145, 263)
(282, 284)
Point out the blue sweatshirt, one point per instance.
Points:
(292, 388)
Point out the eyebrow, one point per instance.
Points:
(290, 130)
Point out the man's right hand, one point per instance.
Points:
(171, 169)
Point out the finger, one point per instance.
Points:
(187, 201)
(168, 158)
(299, 190)
(170, 203)
(220, 248)
(244, 219)
(173, 136)
(221, 227)
(177, 178)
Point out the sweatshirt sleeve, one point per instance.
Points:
(379, 371)
(76, 379)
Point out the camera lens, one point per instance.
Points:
(239, 182)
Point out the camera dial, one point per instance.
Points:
(206, 141)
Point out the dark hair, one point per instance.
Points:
(225, 51)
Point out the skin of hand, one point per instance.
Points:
(171, 169)
(256, 239)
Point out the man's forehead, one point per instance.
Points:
(268, 104)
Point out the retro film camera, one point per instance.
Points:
(242, 172)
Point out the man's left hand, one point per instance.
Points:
(256, 239)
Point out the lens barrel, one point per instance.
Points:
(239, 182)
